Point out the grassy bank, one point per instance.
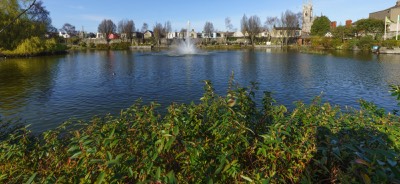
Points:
(223, 139)
(363, 43)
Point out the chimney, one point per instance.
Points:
(333, 24)
(349, 23)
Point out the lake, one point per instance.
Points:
(45, 91)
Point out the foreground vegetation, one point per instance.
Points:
(223, 139)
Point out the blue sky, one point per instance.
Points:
(89, 13)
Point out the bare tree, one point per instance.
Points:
(228, 24)
(159, 32)
(208, 30)
(251, 26)
(167, 27)
(244, 24)
(107, 27)
(290, 23)
(255, 27)
(126, 27)
(69, 29)
(271, 22)
(145, 27)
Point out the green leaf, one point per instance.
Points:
(30, 180)
(87, 142)
(73, 148)
(118, 157)
(109, 156)
(94, 161)
(114, 143)
(112, 162)
(76, 155)
(171, 177)
(112, 133)
(100, 178)
(130, 171)
(158, 173)
(246, 178)
(176, 131)
(2, 177)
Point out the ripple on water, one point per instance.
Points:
(46, 91)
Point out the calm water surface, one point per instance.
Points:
(46, 91)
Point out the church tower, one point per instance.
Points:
(308, 17)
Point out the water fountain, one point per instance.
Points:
(186, 47)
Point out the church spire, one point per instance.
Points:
(308, 16)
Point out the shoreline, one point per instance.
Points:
(303, 49)
(34, 55)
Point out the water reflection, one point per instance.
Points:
(49, 90)
(26, 79)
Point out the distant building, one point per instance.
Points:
(137, 35)
(172, 35)
(290, 32)
(349, 23)
(264, 34)
(329, 35)
(113, 36)
(391, 13)
(148, 34)
(229, 34)
(91, 35)
(192, 34)
(333, 25)
(238, 34)
(100, 36)
(64, 34)
(308, 18)
(206, 35)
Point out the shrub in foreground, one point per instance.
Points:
(223, 139)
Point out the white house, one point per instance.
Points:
(329, 35)
(289, 32)
(64, 34)
(264, 34)
(193, 34)
(172, 35)
(100, 36)
(148, 34)
(238, 34)
(213, 35)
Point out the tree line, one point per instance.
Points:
(250, 27)
(363, 34)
